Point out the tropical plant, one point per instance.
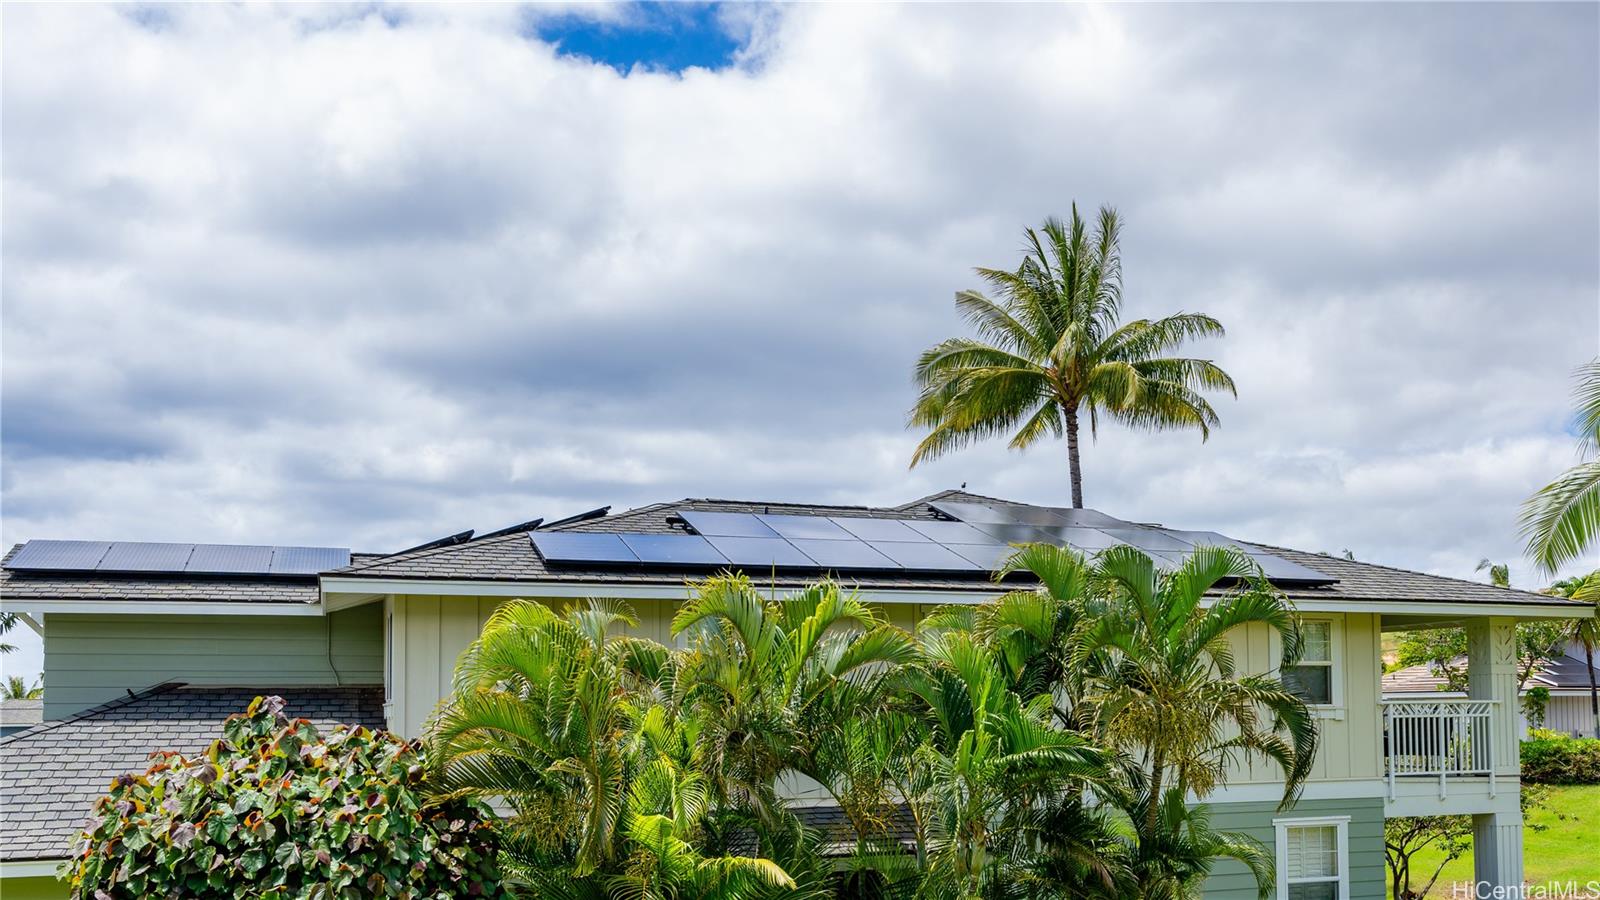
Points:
(1562, 519)
(1051, 350)
(16, 687)
(275, 810)
(1406, 836)
(8, 621)
(1499, 573)
(1586, 631)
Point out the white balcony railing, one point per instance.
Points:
(1438, 739)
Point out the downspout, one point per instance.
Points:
(331, 667)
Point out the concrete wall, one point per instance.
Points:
(90, 659)
(1368, 878)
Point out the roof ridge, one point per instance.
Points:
(165, 687)
(1533, 595)
(407, 555)
(958, 492)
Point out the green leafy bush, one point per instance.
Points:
(1561, 760)
(273, 810)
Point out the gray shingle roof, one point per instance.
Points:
(512, 558)
(51, 774)
(21, 713)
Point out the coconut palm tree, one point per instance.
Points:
(1051, 350)
(16, 688)
(1562, 519)
(1499, 573)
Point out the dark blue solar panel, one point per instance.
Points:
(572, 546)
(717, 524)
(68, 555)
(1207, 539)
(1089, 540)
(1014, 534)
(674, 549)
(929, 556)
(1277, 568)
(1085, 517)
(812, 528)
(1021, 514)
(845, 555)
(307, 560)
(951, 532)
(761, 553)
(880, 529)
(974, 513)
(128, 556)
(1148, 538)
(229, 559)
(984, 556)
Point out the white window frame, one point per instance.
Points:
(1342, 841)
(1334, 708)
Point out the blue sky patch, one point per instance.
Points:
(667, 37)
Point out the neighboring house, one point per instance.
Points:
(15, 715)
(1566, 677)
(329, 630)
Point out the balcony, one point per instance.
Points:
(1443, 740)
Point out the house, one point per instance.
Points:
(1567, 678)
(148, 645)
(17, 715)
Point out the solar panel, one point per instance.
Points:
(229, 559)
(929, 556)
(1089, 540)
(1207, 539)
(575, 546)
(816, 528)
(60, 555)
(845, 554)
(674, 549)
(129, 556)
(1029, 515)
(717, 524)
(1013, 534)
(761, 553)
(952, 532)
(1277, 568)
(1085, 518)
(1148, 538)
(985, 556)
(883, 529)
(974, 513)
(307, 560)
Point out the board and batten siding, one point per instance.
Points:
(1230, 880)
(90, 659)
(1350, 746)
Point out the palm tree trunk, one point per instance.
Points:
(1594, 692)
(1072, 457)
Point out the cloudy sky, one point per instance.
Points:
(369, 275)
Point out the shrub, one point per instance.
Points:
(273, 810)
(1561, 760)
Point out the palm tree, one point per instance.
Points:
(1562, 519)
(8, 621)
(1499, 573)
(1586, 631)
(1050, 350)
(16, 688)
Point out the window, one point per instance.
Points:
(1313, 859)
(1313, 677)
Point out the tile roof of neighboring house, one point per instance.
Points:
(51, 774)
(512, 558)
(18, 585)
(21, 713)
(1564, 673)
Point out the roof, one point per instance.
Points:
(44, 585)
(512, 558)
(21, 713)
(51, 774)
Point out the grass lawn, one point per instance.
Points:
(1567, 850)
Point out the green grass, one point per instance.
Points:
(1564, 851)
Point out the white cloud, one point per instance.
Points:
(368, 277)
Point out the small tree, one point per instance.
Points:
(1444, 650)
(1406, 836)
(272, 810)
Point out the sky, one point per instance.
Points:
(366, 275)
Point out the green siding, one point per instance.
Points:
(1232, 881)
(42, 887)
(89, 659)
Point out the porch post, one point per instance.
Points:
(1492, 675)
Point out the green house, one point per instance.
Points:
(150, 646)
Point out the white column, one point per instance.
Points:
(1492, 675)
(1497, 852)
